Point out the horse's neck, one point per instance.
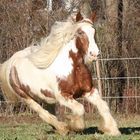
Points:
(62, 66)
(64, 53)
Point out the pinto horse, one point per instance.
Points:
(57, 71)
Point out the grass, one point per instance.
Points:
(41, 131)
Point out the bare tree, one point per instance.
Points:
(49, 5)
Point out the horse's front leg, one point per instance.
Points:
(76, 120)
(109, 125)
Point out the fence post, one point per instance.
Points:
(98, 78)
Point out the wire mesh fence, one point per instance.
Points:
(10, 109)
(125, 101)
(121, 87)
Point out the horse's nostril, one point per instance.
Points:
(92, 54)
(98, 55)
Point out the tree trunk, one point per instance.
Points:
(130, 45)
(114, 41)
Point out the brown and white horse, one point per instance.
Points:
(56, 71)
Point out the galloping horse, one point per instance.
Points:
(57, 71)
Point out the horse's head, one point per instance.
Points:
(85, 38)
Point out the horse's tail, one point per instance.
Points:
(7, 93)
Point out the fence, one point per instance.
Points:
(126, 97)
(127, 101)
(98, 77)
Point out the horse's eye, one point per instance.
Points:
(80, 32)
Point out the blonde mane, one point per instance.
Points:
(61, 34)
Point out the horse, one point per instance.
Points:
(56, 71)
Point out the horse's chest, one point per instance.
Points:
(77, 83)
(62, 66)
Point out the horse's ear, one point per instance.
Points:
(93, 16)
(79, 17)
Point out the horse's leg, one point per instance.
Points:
(76, 120)
(109, 126)
(24, 92)
(61, 127)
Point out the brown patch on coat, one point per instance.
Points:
(82, 42)
(47, 93)
(93, 16)
(79, 17)
(80, 80)
(21, 89)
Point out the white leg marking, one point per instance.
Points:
(109, 125)
(76, 121)
(76, 107)
(47, 117)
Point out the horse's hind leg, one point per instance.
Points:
(24, 92)
(109, 125)
(61, 127)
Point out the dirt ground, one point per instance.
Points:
(30, 119)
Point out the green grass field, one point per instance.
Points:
(31, 128)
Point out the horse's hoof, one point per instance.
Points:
(111, 132)
(114, 133)
(76, 123)
(63, 129)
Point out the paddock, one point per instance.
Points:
(27, 125)
(116, 73)
(22, 123)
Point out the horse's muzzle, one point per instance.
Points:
(94, 58)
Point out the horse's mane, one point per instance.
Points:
(61, 33)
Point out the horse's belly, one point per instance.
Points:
(37, 79)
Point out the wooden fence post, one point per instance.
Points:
(98, 78)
